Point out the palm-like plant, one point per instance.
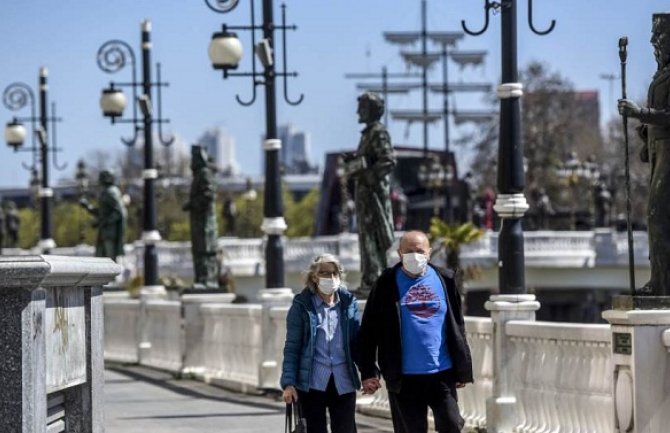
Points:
(451, 237)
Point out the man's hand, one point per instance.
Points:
(460, 385)
(290, 394)
(629, 108)
(371, 385)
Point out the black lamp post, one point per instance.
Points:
(511, 203)
(113, 55)
(81, 176)
(15, 97)
(225, 52)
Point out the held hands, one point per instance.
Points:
(290, 394)
(629, 108)
(371, 385)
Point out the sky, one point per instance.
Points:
(334, 37)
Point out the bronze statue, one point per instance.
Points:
(204, 230)
(110, 217)
(654, 130)
(12, 224)
(370, 167)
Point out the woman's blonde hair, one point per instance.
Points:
(313, 268)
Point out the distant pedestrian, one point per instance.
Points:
(318, 369)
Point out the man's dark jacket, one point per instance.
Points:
(380, 339)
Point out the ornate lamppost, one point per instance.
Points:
(512, 302)
(511, 203)
(113, 56)
(225, 52)
(15, 97)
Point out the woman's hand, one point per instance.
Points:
(290, 394)
(371, 385)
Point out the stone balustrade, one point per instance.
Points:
(602, 249)
(560, 373)
(562, 376)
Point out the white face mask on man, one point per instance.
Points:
(415, 263)
(328, 286)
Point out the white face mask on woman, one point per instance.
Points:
(328, 286)
(415, 263)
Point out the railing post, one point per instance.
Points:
(501, 411)
(269, 363)
(193, 327)
(640, 364)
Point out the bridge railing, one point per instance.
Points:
(561, 373)
(562, 376)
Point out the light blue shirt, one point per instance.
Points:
(329, 356)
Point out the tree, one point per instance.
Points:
(300, 216)
(450, 238)
(555, 120)
(614, 168)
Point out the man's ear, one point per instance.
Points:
(399, 254)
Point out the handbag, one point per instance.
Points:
(295, 423)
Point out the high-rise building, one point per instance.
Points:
(294, 155)
(220, 146)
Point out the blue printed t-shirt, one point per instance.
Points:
(423, 310)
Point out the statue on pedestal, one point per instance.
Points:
(12, 224)
(110, 217)
(370, 167)
(654, 130)
(204, 230)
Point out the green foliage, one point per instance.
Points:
(29, 231)
(71, 226)
(301, 216)
(249, 216)
(451, 237)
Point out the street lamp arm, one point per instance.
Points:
(253, 94)
(160, 120)
(488, 5)
(532, 26)
(284, 61)
(222, 6)
(112, 56)
(16, 96)
(130, 142)
(52, 137)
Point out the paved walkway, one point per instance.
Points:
(139, 400)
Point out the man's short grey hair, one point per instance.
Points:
(313, 268)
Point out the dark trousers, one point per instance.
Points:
(409, 407)
(340, 407)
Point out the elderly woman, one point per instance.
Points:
(321, 329)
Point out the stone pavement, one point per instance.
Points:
(139, 400)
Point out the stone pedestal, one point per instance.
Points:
(51, 334)
(640, 369)
(501, 407)
(193, 326)
(270, 364)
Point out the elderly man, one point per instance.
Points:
(413, 327)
